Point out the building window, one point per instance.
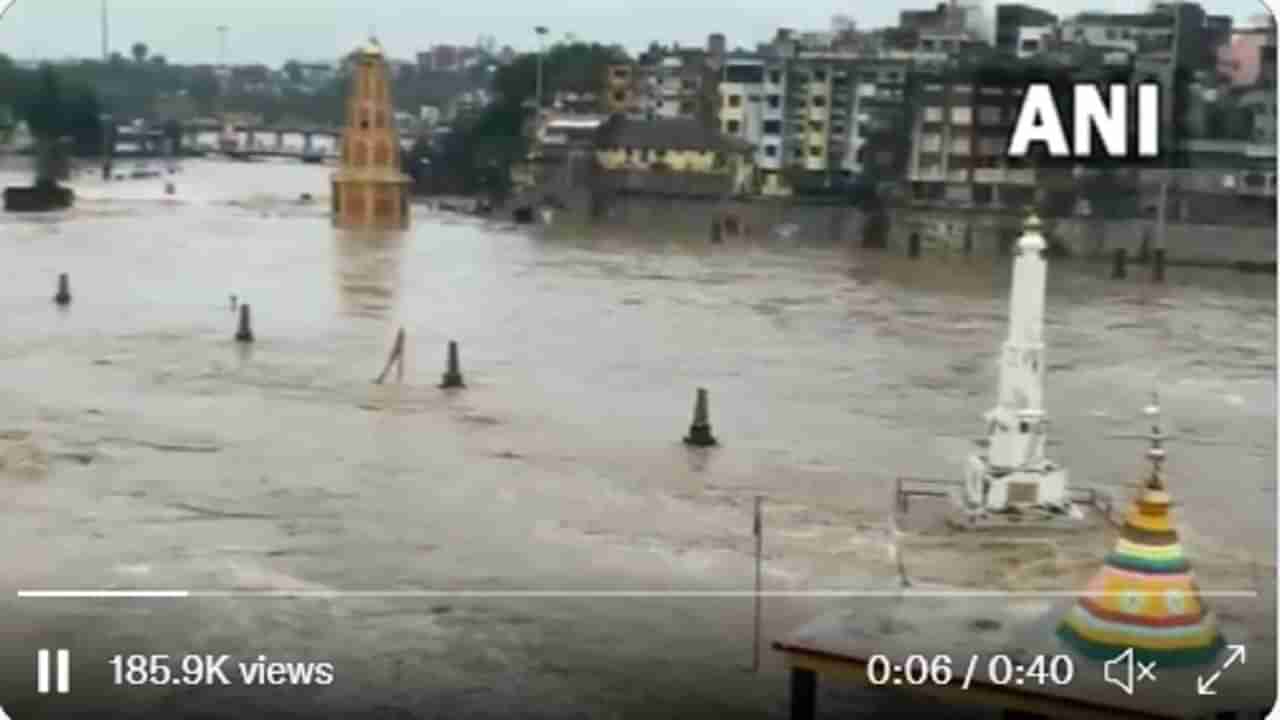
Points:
(815, 125)
(770, 150)
(775, 76)
(837, 129)
(732, 126)
(686, 108)
(799, 153)
(820, 75)
(860, 156)
(364, 119)
(815, 151)
(772, 127)
(735, 101)
(775, 101)
(819, 101)
(619, 96)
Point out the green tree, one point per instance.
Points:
(565, 68)
(139, 51)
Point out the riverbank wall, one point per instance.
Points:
(940, 230)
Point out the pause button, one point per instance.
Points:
(60, 669)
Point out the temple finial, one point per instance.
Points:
(1156, 452)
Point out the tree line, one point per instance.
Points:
(477, 156)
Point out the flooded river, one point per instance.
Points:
(143, 448)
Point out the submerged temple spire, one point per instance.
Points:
(369, 188)
(1145, 597)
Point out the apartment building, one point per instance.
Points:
(960, 131)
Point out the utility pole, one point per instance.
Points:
(222, 45)
(542, 31)
(106, 33)
(1162, 219)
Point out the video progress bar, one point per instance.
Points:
(601, 594)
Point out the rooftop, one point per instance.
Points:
(667, 133)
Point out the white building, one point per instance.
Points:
(742, 103)
(1033, 40)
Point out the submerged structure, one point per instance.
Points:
(1010, 473)
(1145, 596)
(369, 189)
(1009, 481)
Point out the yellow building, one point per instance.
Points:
(674, 145)
(618, 92)
(369, 189)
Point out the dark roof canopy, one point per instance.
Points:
(666, 133)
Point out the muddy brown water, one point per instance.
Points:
(143, 448)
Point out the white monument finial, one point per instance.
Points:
(1031, 240)
(1155, 453)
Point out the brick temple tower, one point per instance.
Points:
(369, 189)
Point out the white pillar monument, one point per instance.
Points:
(1010, 473)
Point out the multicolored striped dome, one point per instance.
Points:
(1145, 596)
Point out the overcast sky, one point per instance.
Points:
(272, 31)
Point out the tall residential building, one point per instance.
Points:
(742, 104)
(369, 189)
(962, 123)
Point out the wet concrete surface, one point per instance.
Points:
(144, 448)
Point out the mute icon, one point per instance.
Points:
(1120, 671)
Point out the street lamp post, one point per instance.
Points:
(106, 32)
(222, 45)
(542, 31)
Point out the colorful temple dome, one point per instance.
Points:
(1145, 597)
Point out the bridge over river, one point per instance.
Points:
(317, 143)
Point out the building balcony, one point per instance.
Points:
(989, 175)
(1024, 176)
(928, 175)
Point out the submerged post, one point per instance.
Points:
(396, 357)
(700, 431)
(758, 529)
(453, 371)
(63, 297)
(245, 332)
(1157, 265)
(1118, 261)
(913, 245)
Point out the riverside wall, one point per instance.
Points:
(940, 230)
